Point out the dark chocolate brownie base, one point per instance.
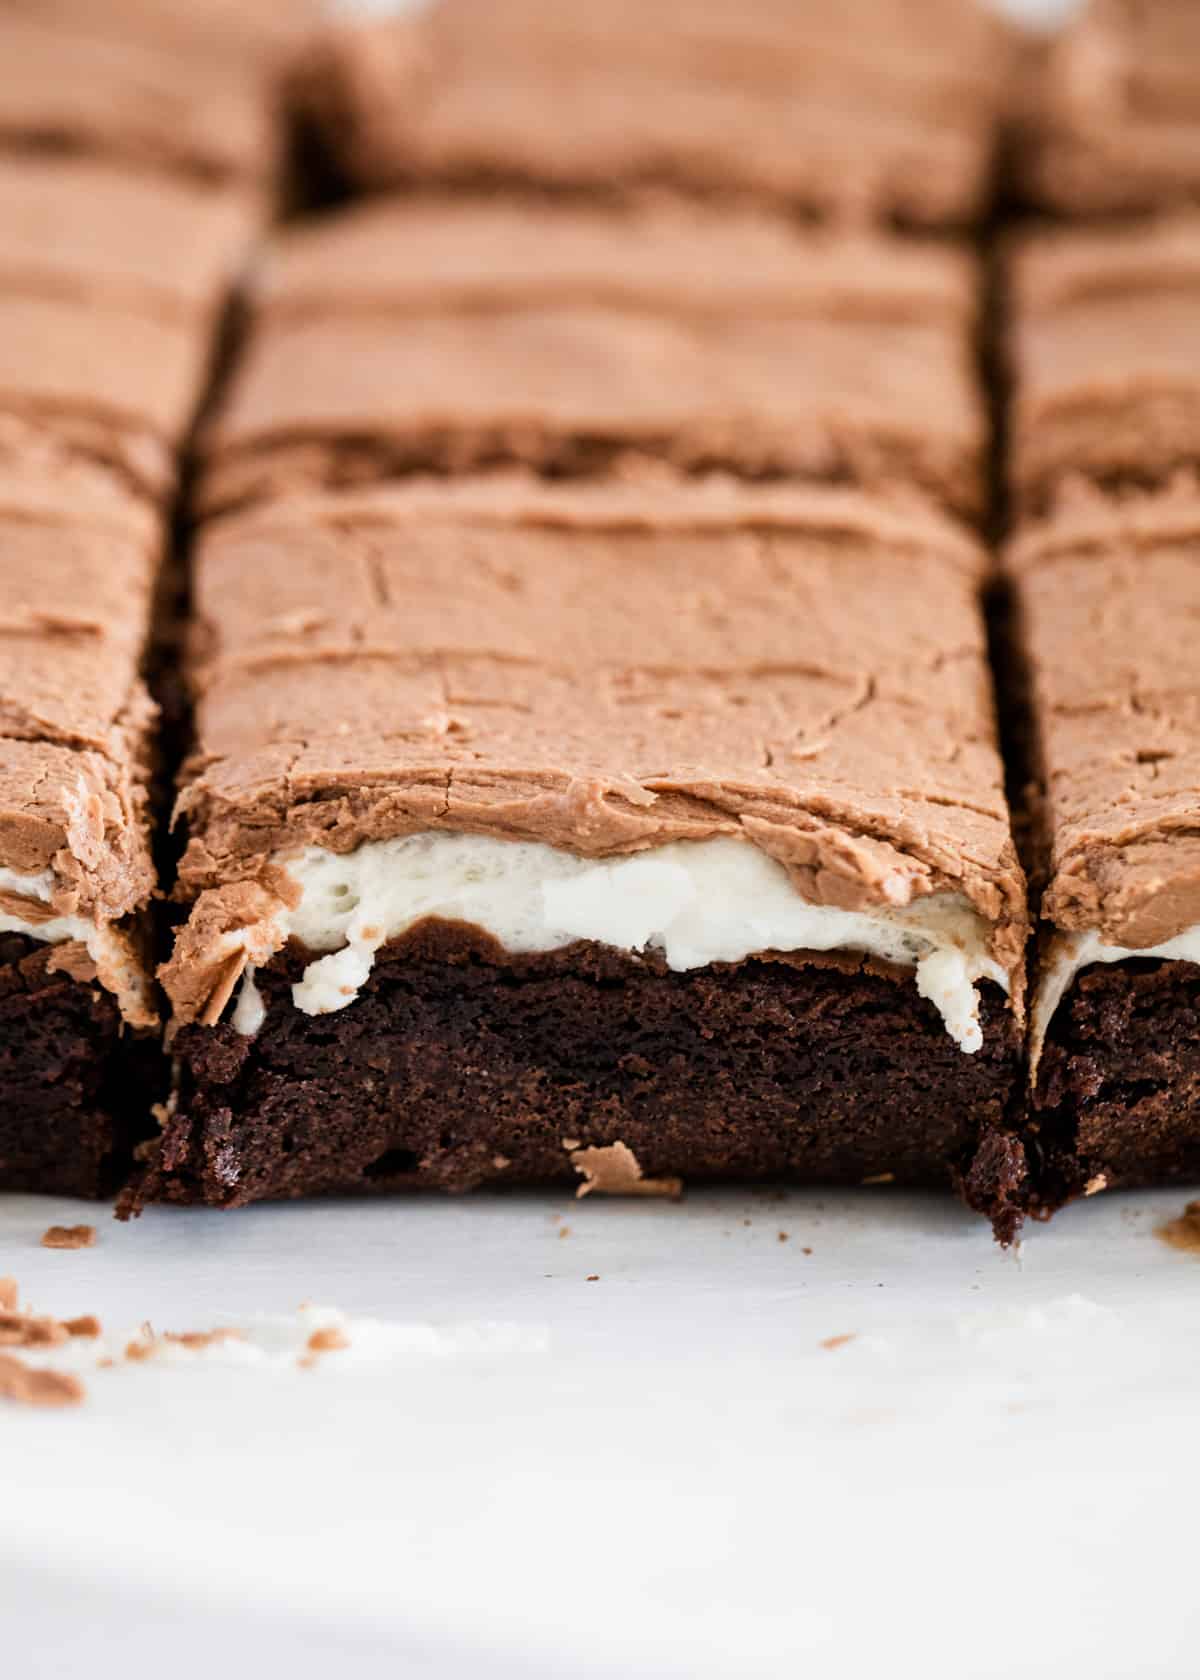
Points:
(76, 1090)
(457, 1066)
(1118, 1094)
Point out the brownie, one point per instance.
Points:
(1109, 596)
(450, 334)
(1112, 121)
(619, 682)
(174, 86)
(876, 109)
(77, 565)
(105, 342)
(1106, 357)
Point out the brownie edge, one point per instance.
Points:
(459, 1066)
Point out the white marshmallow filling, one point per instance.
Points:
(691, 902)
(1070, 952)
(50, 930)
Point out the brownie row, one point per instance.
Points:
(622, 532)
(135, 157)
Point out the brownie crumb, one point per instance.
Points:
(806, 1251)
(832, 1342)
(8, 1294)
(87, 1324)
(69, 1236)
(1183, 1232)
(564, 1230)
(881, 1178)
(27, 1387)
(330, 1340)
(19, 1329)
(614, 1170)
(593, 1277)
(783, 1236)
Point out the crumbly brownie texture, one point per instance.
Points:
(1108, 596)
(1113, 123)
(180, 88)
(104, 344)
(459, 1065)
(77, 1088)
(453, 334)
(1106, 353)
(876, 108)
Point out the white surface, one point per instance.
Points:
(659, 1473)
(697, 902)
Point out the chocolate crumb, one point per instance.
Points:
(881, 1178)
(69, 1236)
(1184, 1232)
(593, 1277)
(614, 1170)
(783, 1236)
(28, 1387)
(806, 1251)
(330, 1340)
(564, 1230)
(19, 1329)
(87, 1324)
(832, 1342)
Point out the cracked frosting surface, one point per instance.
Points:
(1106, 355)
(451, 334)
(604, 669)
(1114, 123)
(880, 108)
(1109, 603)
(104, 343)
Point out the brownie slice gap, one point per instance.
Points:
(454, 334)
(1112, 120)
(1108, 601)
(881, 109)
(526, 820)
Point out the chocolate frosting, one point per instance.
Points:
(1113, 123)
(877, 108)
(104, 343)
(1109, 596)
(449, 334)
(177, 85)
(1106, 354)
(75, 720)
(603, 669)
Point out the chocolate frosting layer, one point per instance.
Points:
(879, 108)
(104, 340)
(1109, 603)
(452, 334)
(1107, 356)
(180, 86)
(603, 669)
(75, 720)
(1114, 119)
